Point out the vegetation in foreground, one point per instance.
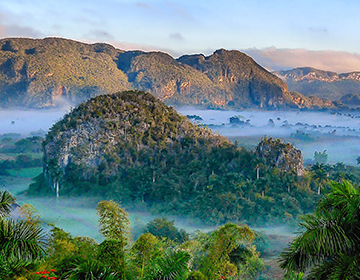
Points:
(327, 247)
(162, 252)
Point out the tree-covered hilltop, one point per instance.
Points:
(129, 146)
(42, 73)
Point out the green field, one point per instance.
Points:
(76, 215)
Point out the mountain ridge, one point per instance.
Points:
(41, 73)
(343, 87)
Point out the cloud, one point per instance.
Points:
(15, 30)
(176, 36)
(2, 31)
(99, 35)
(283, 59)
(19, 31)
(142, 5)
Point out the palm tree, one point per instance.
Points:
(173, 265)
(91, 270)
(330, 244)
(21, 242)
(6, 200)
(320, 174)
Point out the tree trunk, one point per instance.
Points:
(57, 189)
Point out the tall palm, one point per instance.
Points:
(330, 243)
(320, 174)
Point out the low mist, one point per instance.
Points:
(24, 121)
(337, 133)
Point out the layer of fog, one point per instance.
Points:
(337, 133)
(24, 121)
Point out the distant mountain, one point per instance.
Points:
(324, 84)
(42, 73)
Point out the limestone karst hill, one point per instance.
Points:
(130, 146)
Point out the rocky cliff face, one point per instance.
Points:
(244, 81)
(113, 130)
(278, 154)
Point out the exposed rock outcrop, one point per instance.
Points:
(278, 154)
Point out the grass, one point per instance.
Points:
(26, 172)
(75, 215)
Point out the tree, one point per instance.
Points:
(161, 227)
(320, 157)
(92, 270)
(320, 175)
(329, 244)
(21, 242)
(173, 265)
(226, 239)
(145, 250)
(115, 227)
(114, 221)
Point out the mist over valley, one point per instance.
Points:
(235, 148)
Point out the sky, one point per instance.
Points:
(278, 34)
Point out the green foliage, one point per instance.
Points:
(29, 145)
(91, 270)
(114, 222)
(6, 200)
(173, 265)
(65, 252)
(145, 251)
(137, 150)
(21, 240)
(196, 275)
(115, 227)
(161, 227)
(320, 157)
(329, 243)
(226, 240)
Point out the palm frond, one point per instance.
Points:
(21, 240)
(174, 264)
(11, 266)
(330, 242)
(6, 200)
(91, 270)
(340, 267)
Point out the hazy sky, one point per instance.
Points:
(279, 34)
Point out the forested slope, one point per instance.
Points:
(131, 147)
